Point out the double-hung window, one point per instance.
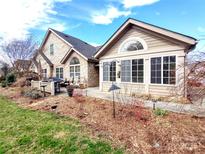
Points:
(75, 69)
(163, 70)
(109, 71)
(132, 70)
(59, 72)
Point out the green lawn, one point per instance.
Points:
(27, 131)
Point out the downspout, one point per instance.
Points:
(185, 75)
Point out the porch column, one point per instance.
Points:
(100, 75)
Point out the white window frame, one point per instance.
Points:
(59, 73)
(51, 48)
(144, 44)
(161, 84)
(131, 80)
(74, 72)
(109, 71)
(44, 73)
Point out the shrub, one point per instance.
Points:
(2, 78)
(32, 93)
(3, 84)
(160, 112)
(10, 78)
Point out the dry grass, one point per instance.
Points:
(136, 129)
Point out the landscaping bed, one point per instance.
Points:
(136, 129)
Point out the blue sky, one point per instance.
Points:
(94, 21)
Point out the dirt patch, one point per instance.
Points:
(136, 129)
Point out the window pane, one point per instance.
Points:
(61, 72)
(169, 73)
(105, 71)
(173, 59)
(51, 49)
(113, 71)
(77, 68)
(156, 70)
(138, 70)
(125, 71)
(74, 61)
(72, 69)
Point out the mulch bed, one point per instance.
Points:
(136, 129)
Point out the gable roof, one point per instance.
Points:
(82, 47)
(168, 33)
(44, 57)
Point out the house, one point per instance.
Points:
(139, 57)
(145, 59)
(64, 56)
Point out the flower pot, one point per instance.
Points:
(70, 91)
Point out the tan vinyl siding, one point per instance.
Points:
(158, 46)
(162, 90)
(153, 42)
(126, 88)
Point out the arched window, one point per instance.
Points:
(133, 44)
(75, 69)
(74, 61)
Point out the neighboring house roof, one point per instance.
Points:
(190, 41)
(84, 48)
(45, 58)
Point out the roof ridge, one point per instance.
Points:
(65, 34)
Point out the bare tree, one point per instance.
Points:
(196, 77)
(19, 50)
(4, 68)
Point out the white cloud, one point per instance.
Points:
(133, 3)
(18, 17)
(201, 29)
(107, 16)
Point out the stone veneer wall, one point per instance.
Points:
(93, 75)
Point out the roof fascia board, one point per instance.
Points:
(111, 38)
(80, 54)
(61, 38)
(164, 32)
(153, 28)
(69, 45)
(63, 61)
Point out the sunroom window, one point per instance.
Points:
(109, 71)
(163, 70)
(132, 70)
(169, 70)
(125, 71)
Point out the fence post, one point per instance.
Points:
(39, 85)
(52, 88)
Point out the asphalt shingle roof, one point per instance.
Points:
(84, 48)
